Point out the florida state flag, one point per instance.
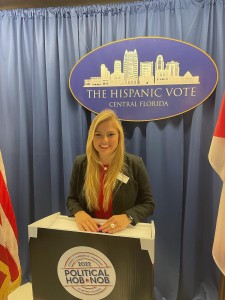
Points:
(10, 270)
(217, 160)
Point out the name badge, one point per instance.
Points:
(122, 177)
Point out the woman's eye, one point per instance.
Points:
(111, 134)
(98, 135)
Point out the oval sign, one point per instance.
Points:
(144, 79)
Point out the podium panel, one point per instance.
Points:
(69, 264)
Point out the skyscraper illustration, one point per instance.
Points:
(117, 76)
(130, 67)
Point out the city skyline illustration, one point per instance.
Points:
(131, 72)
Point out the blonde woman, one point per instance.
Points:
(108, 183)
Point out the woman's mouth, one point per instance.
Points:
(104, 146)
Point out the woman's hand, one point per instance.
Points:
(115, 223)
(85, 222)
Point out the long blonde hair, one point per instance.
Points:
(92, 178)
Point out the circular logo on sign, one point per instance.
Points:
(86, 273)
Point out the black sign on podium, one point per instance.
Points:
(68, 264)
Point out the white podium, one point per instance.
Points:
(70, 264)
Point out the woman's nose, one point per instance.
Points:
(105, 137)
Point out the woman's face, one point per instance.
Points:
(106, 140)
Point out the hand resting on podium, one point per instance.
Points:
(86, 223)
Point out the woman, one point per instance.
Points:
(107, 183)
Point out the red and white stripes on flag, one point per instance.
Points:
(217, 160)
(10, 269)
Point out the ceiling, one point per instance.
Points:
(13, 4)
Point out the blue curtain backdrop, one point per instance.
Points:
(43, 128)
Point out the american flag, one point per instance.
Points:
(10, 269)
